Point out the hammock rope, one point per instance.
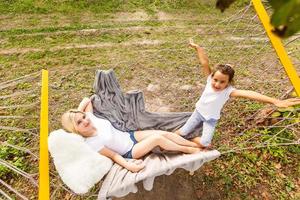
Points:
(228, 42)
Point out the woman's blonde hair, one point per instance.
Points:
(68, 120)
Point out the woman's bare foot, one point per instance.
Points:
(177, 132)
(193, 144)
(193, 150)
(197, 141)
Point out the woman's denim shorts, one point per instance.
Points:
(129, 153)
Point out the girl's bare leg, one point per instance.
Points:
(147, 144)
(140, 135)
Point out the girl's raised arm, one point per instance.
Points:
(133, 167)
(202, 58)
(263, 98)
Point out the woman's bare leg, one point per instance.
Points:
(178, 139)
(140, 135)
(147, 144)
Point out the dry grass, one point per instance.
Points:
(148, 48)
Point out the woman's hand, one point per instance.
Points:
(287, 102)
(85, 105)
(135, 167)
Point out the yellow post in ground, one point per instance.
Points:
(44, 159)
(278, 46)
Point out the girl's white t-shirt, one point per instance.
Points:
(211, 103)
(108, 136)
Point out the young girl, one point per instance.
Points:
(102, 137)
(217, 91)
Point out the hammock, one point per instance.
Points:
(126, 112)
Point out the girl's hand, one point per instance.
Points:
(192, 44)
(196, 46)
(287, 102)
(135, 167)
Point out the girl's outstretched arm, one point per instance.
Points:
(85, 105)
(133, 167)
(202, 58)
(265, 99)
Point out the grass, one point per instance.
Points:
(106, 6)
(145, 43)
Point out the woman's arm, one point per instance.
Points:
(85, 105)
(202, 58)
(133, 167)
(265, 99)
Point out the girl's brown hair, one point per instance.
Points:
(225, 69)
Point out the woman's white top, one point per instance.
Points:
(108, 136)
(211, 103)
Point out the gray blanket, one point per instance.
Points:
(127, 112)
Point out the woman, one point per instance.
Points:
(102, 137)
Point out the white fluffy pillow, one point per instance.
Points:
(77, 164)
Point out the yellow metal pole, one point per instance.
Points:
(44, 159)
(278, 46)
